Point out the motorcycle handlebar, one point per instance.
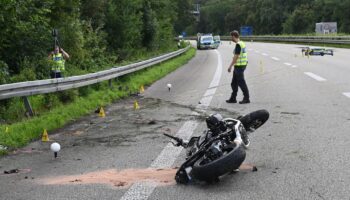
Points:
(178, 140)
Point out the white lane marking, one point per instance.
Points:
(294, 66)
(265, 54)
(217, 76)
(274, 58)
(288, 64)
(314, 76)
(204, 103)
(347, 94)
(257, 51)
(169, 154)
(210, 92)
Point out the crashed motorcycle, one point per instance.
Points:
(220, 149)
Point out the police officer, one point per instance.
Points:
(239, 61)
(58, 57)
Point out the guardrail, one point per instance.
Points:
(297, 39)
(24, 89)
(302, 39)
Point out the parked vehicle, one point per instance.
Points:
(316, 51)
(217, 41)
(220, 149)
(205, 42)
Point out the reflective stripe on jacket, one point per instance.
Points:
(58, 62)
(243, 56)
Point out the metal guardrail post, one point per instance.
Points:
(28, 106)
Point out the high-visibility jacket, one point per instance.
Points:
(58, 64)
(243, 56)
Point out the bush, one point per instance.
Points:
(4, 72)
(182, 44)
(68, 95)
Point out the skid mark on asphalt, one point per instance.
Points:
(124, 178)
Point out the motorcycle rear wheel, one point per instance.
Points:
(210, 172)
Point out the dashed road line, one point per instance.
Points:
(314, 76)
(294, 66)
(170, 153)
(288, 64)
(347, 94)
(264, 54)
(275, 58)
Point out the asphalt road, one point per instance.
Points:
(301, 152)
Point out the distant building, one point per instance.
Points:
(326, 27)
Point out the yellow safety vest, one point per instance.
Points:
(58, 62)
(243, 56)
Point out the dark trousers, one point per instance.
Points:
(55, 74)
(238, 81)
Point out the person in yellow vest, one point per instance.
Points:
(58, 56)
(239, 62)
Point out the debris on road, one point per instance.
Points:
(15, 171)
(152, 122)
(12, 171)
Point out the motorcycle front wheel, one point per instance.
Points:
(210, 171)
(255, 119)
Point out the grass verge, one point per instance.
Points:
(19, 134)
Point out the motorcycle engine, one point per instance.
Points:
(215, 152)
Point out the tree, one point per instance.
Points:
(124, 26)
(24, 31)
(184, 16)
(150, 26)
(300, 21)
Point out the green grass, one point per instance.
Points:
(21, 133)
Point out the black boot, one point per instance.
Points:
(231, 100)
(244, 101)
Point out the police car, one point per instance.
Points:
(206, 41)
